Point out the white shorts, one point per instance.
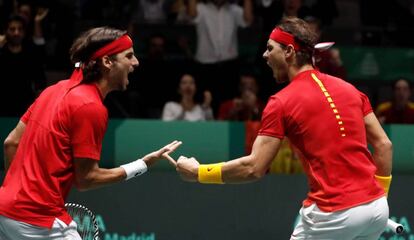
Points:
(15, 230)
(366, 221)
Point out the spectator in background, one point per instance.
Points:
(153, 12)
(400, 110)
(216, 23)
(187, 108)
(157, 71)
(34, 28)
(22, 71)
(272, 11)
(245, 107)
(328, 61)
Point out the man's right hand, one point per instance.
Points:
(188, 168)
(162, 153)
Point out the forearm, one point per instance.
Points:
(241, 170)
(254, 166)
(38, 32)
(383, 158)
(381, 144)
(192, 8)
(101, 177)
(248, 11)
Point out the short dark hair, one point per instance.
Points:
(303, 35)
(14, 18)
(87, 44)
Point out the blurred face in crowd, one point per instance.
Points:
(156, 48)
(123, 64)
(25, 11)
(275, 59)
(402, 92)
(292, 7)
(248, 83)
(187, 86)
(15, 33)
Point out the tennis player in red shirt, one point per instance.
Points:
(330, 122)
(58, 141)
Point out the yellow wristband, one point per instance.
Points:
(210, 173)
(385, 182)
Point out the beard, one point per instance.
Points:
(281, 76)
(119, 81)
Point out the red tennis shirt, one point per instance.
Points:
(323, 117)
(64, 123)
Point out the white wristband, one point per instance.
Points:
(135, 168)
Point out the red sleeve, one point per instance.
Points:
(272, 119)
(26, 116)
(366, 105)
(88, 127)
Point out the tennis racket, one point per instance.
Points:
(85, 219)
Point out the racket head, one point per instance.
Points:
(85, 219)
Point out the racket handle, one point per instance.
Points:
(395, 227)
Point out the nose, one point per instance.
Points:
(135, 62)
(16, 31)
(266, 54)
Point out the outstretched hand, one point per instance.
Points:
(162, 153)
(188, 168)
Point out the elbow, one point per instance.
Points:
(10, 143)
(81, 187)
(253, 171)
(384, 145)
(388, 145)
(256, 175)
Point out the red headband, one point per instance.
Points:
(284, 38)
(115, 46)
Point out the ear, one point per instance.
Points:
(106, 62)
(290, 51)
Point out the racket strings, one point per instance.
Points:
(85, 219)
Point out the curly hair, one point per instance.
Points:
(88, 43)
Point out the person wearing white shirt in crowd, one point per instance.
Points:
(216, 24)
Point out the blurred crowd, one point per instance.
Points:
(192, 66)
